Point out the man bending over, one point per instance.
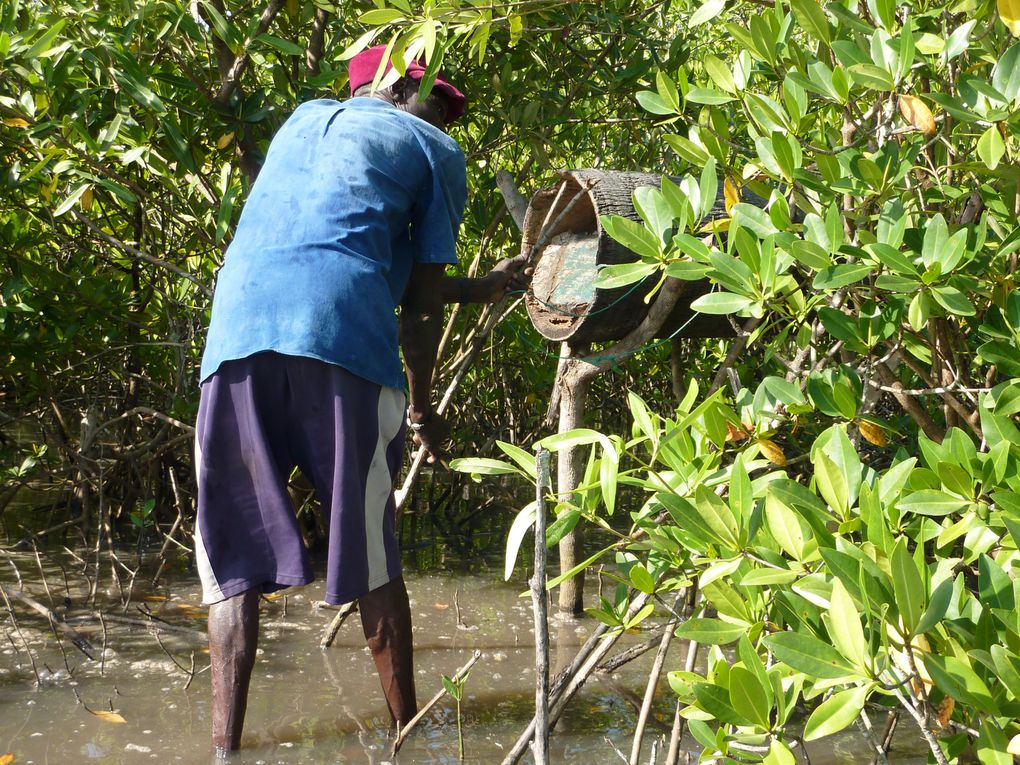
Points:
(355, 212)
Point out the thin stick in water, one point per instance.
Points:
(406, 730)
(540, 605)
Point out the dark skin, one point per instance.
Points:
(385, 612)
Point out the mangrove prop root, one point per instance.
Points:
(406, 730)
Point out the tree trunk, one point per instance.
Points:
(569, 469)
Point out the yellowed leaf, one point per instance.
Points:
(733, 433)
(86, 199)
(21, 123)
(731, 194)
(224, 140)
(1009, 12)
(917, 113)
(946, 710)
(6, 759)
(1013, 747)
(873, 434)
(772, 452)
(110, 717)
(717, 226)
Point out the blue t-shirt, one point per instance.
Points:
(350, 195)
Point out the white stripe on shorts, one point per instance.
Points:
(379, 483)
(211, 592)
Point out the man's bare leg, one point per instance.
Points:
(386, 620)
(233, 638)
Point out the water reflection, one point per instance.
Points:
(313, 706)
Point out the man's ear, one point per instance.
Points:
(399, 90)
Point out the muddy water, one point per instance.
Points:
(308, 705)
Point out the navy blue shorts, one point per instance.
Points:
(260, 417)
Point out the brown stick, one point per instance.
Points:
(334, 626)
(17, 628)
(406, 730)
(653, 681)
(736, 348)
(75, 637)
(910, 405)
(540, 605)
(571, 679)
(241, 62)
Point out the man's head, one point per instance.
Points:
(443, 105)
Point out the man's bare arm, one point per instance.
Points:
(421, 327)
(508, 275)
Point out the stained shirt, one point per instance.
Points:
(350, 196)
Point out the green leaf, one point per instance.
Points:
(845, 627)
(716, 701)
(761, 577)
(812, 19)
(482, 466)
(655, 210)
(953, 300)
(779, 754)
(959, 680)
(832, 483)
(710, 631)
(834, 277)
(747, 697)
(707, 96)
(1006, 77)
(70, 199)
(931, 502)
(632, 235)
(653, 102)
(579, 437)
(836, 713)
(641, 579)
(719, 73)
(622, 274)
(706, 12)
(908, 586)
(44, 46)
(785, 526)
(721, 303)
(717, 515)
(524, 459)
(565, 522)
(871, 76)
(690, 151)
(806, 653)
(687, 517)
(754, 219)
(991, 147)
(284, 46)
(380, 16)
(555, 582)
(941, 597)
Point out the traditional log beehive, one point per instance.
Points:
(563, 302)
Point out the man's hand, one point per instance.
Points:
(509, 275)
(430, 434)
